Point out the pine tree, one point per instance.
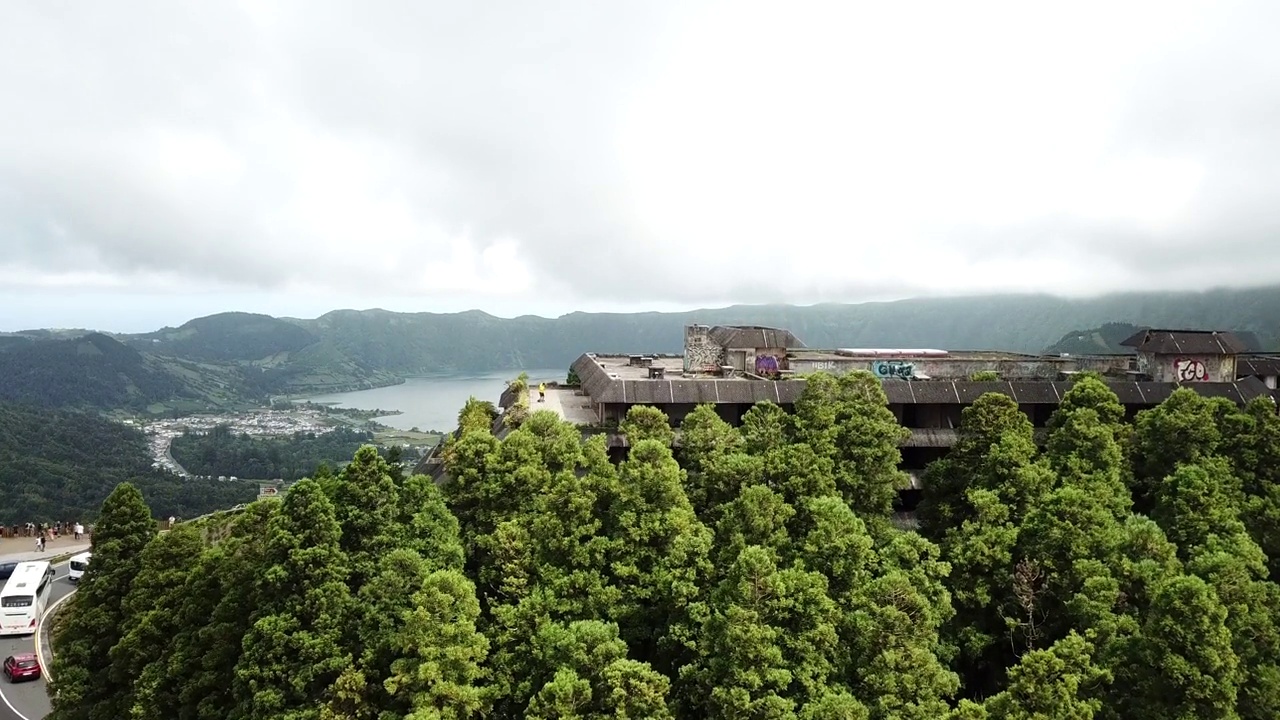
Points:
(367, 505)
(84, 687)
(293, 652)
(151, 616)
(221, 598)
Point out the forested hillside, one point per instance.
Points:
(91, 371)
(57, 465)
(211, 363)
(1124, 571)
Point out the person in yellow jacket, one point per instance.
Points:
(542, 392)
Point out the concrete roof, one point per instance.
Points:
(611, 380)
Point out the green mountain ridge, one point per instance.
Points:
(237, 357)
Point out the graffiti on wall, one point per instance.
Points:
(893, 369)
(1190, 370)
(770, 365)
(701, 355)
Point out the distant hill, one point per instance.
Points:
(411, 343)
(1103, 340)
(207, 364)
(260, 356)
(242, 357)
(1106, 340)
(228, 337)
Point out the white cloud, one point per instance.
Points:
(551, 156)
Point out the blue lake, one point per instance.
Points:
(432, 402)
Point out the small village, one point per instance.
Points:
(257, 422)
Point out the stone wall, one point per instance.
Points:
(1188, 368)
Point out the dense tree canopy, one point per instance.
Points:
(222, 451)
(749, 572)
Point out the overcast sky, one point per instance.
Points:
(163, 160)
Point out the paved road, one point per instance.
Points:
(30, 700)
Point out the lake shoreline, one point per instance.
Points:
(426, 402)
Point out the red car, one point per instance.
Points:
(22, 667)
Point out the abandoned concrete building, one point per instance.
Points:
(927, 389)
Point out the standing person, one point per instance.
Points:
(542, 392)
(79, 530)
(39, 543)
(171, 521)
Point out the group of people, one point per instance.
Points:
(44, 532)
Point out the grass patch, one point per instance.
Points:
(402, 437)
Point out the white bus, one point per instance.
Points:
(77, 565)
(24, 597)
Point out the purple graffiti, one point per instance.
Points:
(766, 365)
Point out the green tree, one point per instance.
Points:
(705, 436)
(474, 494)
(1195, 503)
(975, 500)
(557, 568)
(645, 422)
(592, 677)
(1089, 391)
(439, 669)
(765, 427)
(1082, 451)
(151, 617)
(1252, 444)
(366, 503)
(1053, 683)
(219, 600)
(1182, 429)
(1069, 538)
(1234, 570)
(711, 453)
(293, 652)
(758, 517)
(558, 443)
(768, 645)
(84, 685)
(995, 451)
(429, 528)
(661, 560)
(476, 415)
(1183, 665)
(847, 420)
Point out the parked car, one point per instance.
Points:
(22, 667)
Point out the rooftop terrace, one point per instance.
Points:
(620, 365)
